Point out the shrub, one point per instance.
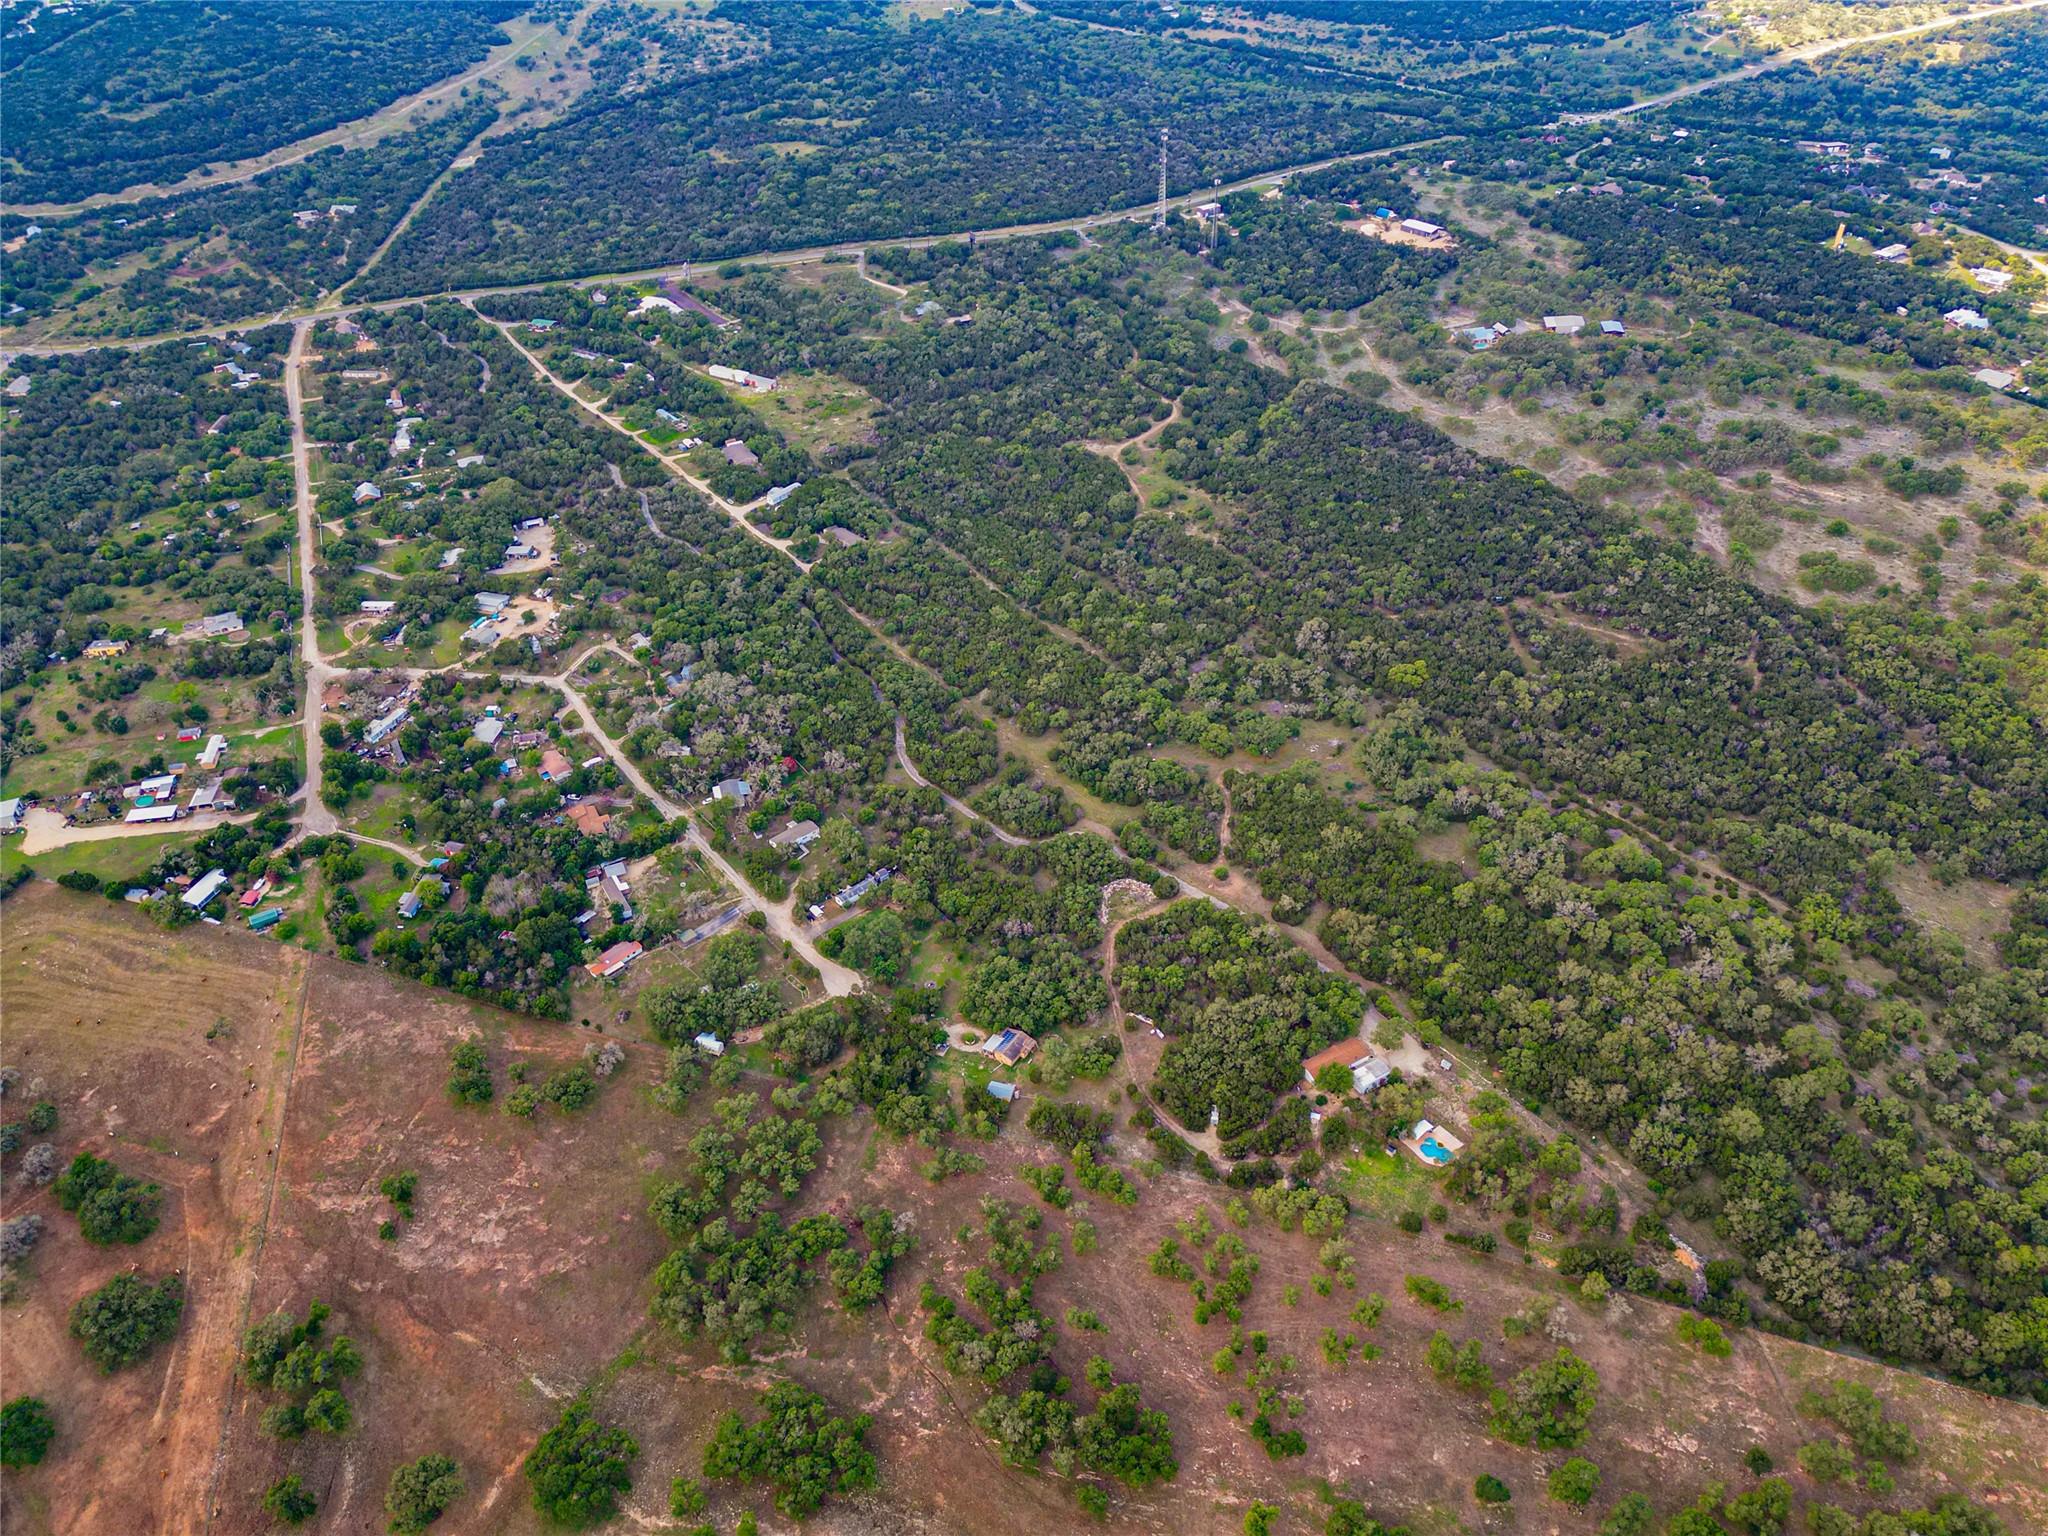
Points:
(1764, 1509)
(126, 1318)
(1575, 1482)
(1548, 1405)
(1706, 1334)
(420, 1492)
(1488, 1489)
(573, 1088)
(1432, 1294)
(686, 1497)
(287, 1500)
(399, 1188)
(1459, 1366)
(579, 1468)
(469, 1073)
(1632, 1515)
(26, 1430)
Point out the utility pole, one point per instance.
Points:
(1159, 214)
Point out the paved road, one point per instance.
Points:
(1080, 223)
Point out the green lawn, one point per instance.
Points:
(1385, 1186)
(120, 858)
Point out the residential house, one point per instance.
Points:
(368, 492)
(1966, 320)
(1368, 1071)
(215, 625)
(385, 724)
(1895, 254)
(615, 959)
(1009, 1047)
(853, 893)
(1564, 325)
(105, 648)
(758, 383)
(216, 747)
(739, 791)
(376, 605)
(739, 455)
(589, 820)
(778, 494)
(553, 765)
(798, 834)
(1992, 279)
(487, 731)
(11, 813)
(205, 889)
(1994, 378)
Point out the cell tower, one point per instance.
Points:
(1159, 213)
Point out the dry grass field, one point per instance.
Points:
(270, 1092)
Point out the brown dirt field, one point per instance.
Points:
(113, 1015)
(523, 1279)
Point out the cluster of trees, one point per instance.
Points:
(1241, 1007)
(122, 1321)
(163, 90)
(289, 1359)
(112, 1206)
(1028, 1414)
(797, 1447)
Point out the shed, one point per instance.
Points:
(1004, 1091)
(739, 455)
(709, 1044)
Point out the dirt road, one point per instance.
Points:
(314, 817)
(961, 806)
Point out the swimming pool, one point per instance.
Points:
(1433, 1151)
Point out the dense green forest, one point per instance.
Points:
(918, 131)
(223, 254)
(147, 93)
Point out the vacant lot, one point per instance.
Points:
(522, 1278)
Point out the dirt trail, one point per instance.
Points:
(215, 1336)
(952, 803)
